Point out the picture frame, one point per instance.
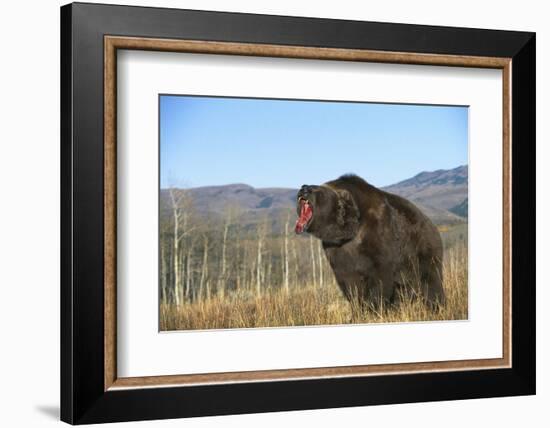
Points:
(91, 391)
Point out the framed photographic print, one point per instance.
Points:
(265, 213)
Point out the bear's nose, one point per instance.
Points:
(304, 190)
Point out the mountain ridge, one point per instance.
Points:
(441, 194)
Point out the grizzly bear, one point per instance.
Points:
(377, 243)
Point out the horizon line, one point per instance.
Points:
(292, 188)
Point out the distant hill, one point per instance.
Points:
(242, 196)
(442, 189)
(461, 209)
(442, 195)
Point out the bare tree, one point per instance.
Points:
(313, 269)
(320, 263)
(180, 205)
(260, 273)
(285, 270)
(259, 266)
(295, 260)
(175, 199)
(204, 268)
(188, 273)
(163, 271)
(222, 280)
(237, 259)
(252, 255)
(224, 246)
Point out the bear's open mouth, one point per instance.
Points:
(306, 213)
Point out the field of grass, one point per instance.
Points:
(313, 305)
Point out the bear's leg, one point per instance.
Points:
(352, 291)
(360, 297)
(367, 294)
(378, 291)
(432, 286)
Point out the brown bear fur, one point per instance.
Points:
(376, 243)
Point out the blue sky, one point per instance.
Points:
(280, 143)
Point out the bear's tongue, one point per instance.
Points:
(305, 215)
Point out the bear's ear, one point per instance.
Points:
(348, 212)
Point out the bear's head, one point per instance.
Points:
(327, 212)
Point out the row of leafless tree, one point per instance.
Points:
(223, 255)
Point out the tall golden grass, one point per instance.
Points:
(312, 305)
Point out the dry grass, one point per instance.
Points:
(310, 305)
